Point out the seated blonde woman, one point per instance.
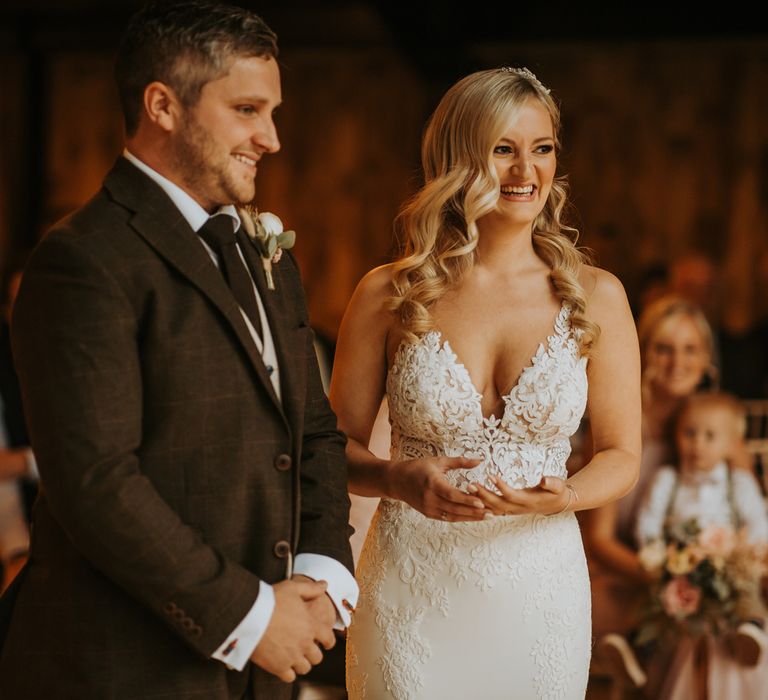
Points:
(676, 346)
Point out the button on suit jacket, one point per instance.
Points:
(165, 499)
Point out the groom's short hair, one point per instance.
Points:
(184, 44)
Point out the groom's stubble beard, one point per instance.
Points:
(204, 170)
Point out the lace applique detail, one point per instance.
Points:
(356, 680)
(436, 410)
(552, 542)
(403, 645)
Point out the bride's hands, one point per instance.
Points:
(549, 497)
(422, 485)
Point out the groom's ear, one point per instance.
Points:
(162, 106)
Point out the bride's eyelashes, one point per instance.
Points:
(506, 150)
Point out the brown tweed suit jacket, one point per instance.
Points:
(173, 480)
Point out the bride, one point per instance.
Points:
(489, 337)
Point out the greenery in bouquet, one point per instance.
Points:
(702, 581)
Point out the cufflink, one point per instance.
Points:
(347, 605)
(230, 648)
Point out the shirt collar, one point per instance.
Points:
(195, 215)
(717, 476)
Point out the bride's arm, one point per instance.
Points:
(357, 382)
(614, 399)
(601, 543)
(357, 387)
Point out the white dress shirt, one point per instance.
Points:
(237, 648)
(703, 496)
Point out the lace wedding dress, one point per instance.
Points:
(486, 610)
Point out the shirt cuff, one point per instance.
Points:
(238, 647)
(342, 587)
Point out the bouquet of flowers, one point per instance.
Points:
(703, 581)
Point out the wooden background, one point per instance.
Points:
(665, 139)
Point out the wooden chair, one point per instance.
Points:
(757, 437)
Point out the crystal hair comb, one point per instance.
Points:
(528, 75)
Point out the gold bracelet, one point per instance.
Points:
(571, 496)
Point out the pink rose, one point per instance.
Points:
(717, 540)
(680, 598)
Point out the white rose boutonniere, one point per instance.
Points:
(266, 231)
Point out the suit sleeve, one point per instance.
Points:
(76, 341)
(325, 504)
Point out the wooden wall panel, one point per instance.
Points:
(350, 132)
(85, 132)
(666, 145)
(13, 155)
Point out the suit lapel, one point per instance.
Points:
(284, 334)
(163, 226)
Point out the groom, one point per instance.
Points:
(190, 538)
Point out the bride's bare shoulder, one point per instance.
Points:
(377, 282)
(368, 301)
(604, 291)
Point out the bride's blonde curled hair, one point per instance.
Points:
(439, 224)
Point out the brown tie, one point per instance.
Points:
(218, 232)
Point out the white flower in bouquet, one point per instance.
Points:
(652, 557)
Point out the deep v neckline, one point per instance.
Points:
(445, 346)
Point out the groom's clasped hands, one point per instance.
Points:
(303, 620)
